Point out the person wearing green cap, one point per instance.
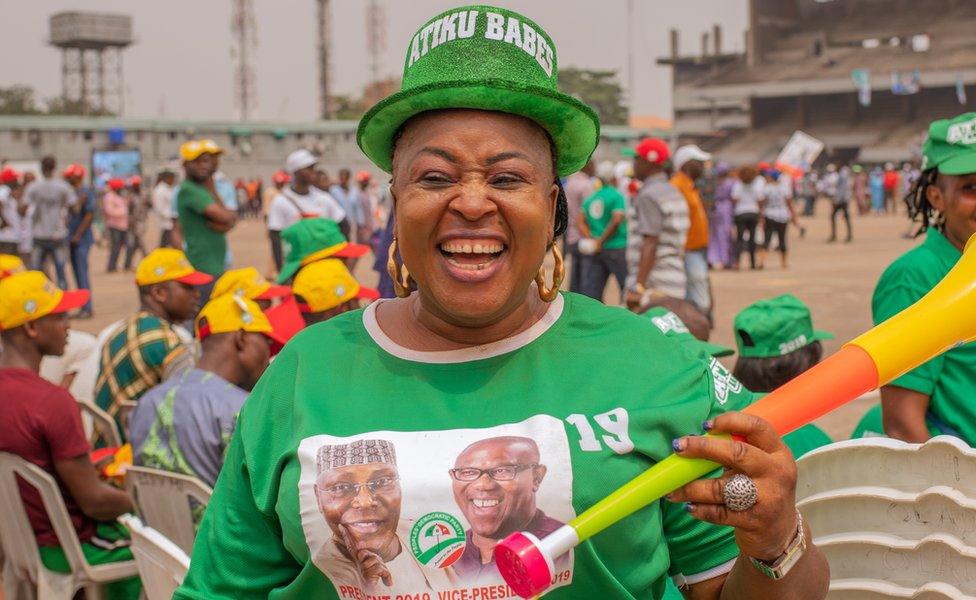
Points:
(487, 348)
(777, 342)
(310, 240)
(942, 201)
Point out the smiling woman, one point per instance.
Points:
(511, 406)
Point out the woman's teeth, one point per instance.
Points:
(468, 248)
(470, 266)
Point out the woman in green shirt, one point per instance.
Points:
(939, 394)
(386, 452)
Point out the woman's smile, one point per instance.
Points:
(472, 259)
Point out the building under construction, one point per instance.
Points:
(864, 76)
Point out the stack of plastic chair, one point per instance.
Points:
(22, 569)
(895, 520)
(162, 564)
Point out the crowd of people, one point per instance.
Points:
(328, 417)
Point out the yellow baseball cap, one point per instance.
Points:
(169, 264)
(247, 282)
(229, 313)
(194, 148)
(326, 284)
(10, 264)
(30, 295)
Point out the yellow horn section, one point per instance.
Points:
(943, 318)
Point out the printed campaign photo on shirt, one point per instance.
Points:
(391, 514)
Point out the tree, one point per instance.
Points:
(18, 100)
(599, 89)
(347, 107)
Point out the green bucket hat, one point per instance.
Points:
(774, 327)
(485, 58)
(951, 145)
(672, 326)
(314, 239)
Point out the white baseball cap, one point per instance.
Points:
(686, 153)
(299, 159)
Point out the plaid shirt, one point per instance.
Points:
(135, 358)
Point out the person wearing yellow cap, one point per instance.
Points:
(184, 424)
(40, 422)
(326, 288)
(10, 264)
(248, 283)
(203, 218)
(143, 346)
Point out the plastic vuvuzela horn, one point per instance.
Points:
(942, 319)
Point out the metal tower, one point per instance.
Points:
(245, 35)
(91, 59)
(324, 14)
(375, 37)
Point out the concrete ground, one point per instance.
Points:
(835, 280)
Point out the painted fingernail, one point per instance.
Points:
(707, 425)
(678, 444)
(690, 507)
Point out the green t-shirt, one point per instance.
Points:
(344, 403)
(950, 379)
(206, 249)
(599, 209)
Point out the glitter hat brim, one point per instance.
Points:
(574, 126)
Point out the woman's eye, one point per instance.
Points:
(506, 179)
(435, 178)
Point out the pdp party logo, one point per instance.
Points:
(437, 540)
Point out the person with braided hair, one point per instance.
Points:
(939, 394)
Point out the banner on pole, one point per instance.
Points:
(800, 151)
(862, 81)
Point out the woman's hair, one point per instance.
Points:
(768, 373)
(919, 209)
(562, 204)
(748, 173)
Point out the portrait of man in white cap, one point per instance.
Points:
(358, 492)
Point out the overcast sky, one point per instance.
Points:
(180, 66)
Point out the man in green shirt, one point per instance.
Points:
(943, 200)
(204, 220)
(603, 246)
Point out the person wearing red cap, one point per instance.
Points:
(115, 212)
(12, 211)
(657, 229)
(138, 215)
(40, 422)
(80, 237)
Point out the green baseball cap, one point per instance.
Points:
(774, 327)
(672, 326)
(314, 239)
(486, 58)
(951, 145)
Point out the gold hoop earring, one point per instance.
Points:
(398, 273)
(548, 294)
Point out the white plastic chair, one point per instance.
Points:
(895, 520)
(23, 568)
(167, 501)
(103, 426)
(162, 564)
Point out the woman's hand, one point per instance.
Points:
(765, 530)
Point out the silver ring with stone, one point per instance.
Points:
(740, 493)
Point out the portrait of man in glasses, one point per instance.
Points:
(357, 489)
(495, 481)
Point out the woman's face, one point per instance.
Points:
(475, 208)
(955, 197)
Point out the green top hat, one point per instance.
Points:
(774, 327)
(672, 326)
(486, 58)
(951, 145)
(314, 239)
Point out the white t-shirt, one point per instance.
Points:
(77, 357)
(747, 197)
(776, 207)
(162, 204)
(289, 207)
(8, 208)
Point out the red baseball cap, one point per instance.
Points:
(135, 180)
(9, 175)
(280, 177)
(116, 184)
(654, 150)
